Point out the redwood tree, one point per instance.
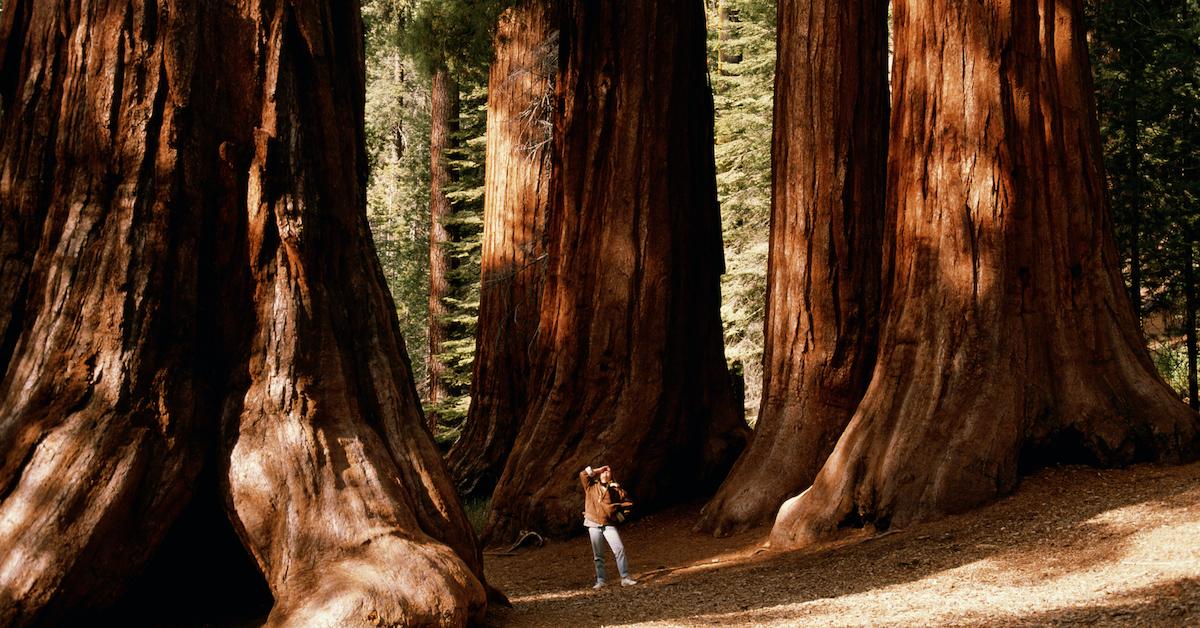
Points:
(443, 112)
(1009, 340)
(516, 193)
(630, 367)
(823, 273)
(187, 273)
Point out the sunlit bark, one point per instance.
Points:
(823, 274)
(629, 357)
(516, 194)
(1009, 341)
(188, 264)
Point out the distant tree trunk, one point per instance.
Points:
(725, 16)
(516, 192)
(184, 230)
(1133, 196)
(1190, 304)
(630, 360)
(1009, 340)
(443, 113)
(823, 275)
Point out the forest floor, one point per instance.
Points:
(1073, 546)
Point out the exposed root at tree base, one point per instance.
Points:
(1074, 545)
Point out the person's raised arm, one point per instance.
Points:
(585, 477)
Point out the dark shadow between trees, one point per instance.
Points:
(201, 574)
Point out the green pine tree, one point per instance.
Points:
(1146, 59)
(742, 70)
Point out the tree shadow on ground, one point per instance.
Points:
(1178, 602)
(1061, 521)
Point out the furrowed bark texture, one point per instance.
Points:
(823, 276)
(443, 112)
(1010, 341)
(98, 293)
(336, 485)
(630, 370)
(516, 194)
(181, 190)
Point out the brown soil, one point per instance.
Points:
(1074, 546)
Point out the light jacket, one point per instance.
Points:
(598, 505)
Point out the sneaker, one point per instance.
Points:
(599, 584)
(628, 582)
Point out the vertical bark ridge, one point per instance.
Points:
(824, 265)
(630, 367)
(97, 437)
(196, 281)
(443, 113)
(370, 529)
(516, 194)
(1010, 341)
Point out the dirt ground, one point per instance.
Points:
(1073, 546)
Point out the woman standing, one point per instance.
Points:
(602, 498)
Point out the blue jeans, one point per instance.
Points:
(607, 533)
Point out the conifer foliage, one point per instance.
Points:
(1146, 55)
(741, 59)
(409, 41)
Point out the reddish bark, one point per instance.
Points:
(823, 274)
(516, 192)
(182, 197)
(443, 113)
(629, 352)
(1009, 340)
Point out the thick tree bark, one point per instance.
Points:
(823, 274)
(98, 293)
(516, 193)
(443, 114)
(630, 367)
(182, 197)
(1009, 340)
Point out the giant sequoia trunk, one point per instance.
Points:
(1009, 340)
(823, 274)
(189, 274)
(516, 192)
(631, 371)
(443, 112)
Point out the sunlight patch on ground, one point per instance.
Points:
(551, 596)
(1125, 556)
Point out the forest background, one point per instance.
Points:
(1146, 61)
(428, 69)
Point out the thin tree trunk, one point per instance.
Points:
(443, 114)
(725, 16)
(193, 177)
(1009, 340)
(516, 193)
(1190, 304)
(630, 362)
(823, 275)
(1134, 200)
